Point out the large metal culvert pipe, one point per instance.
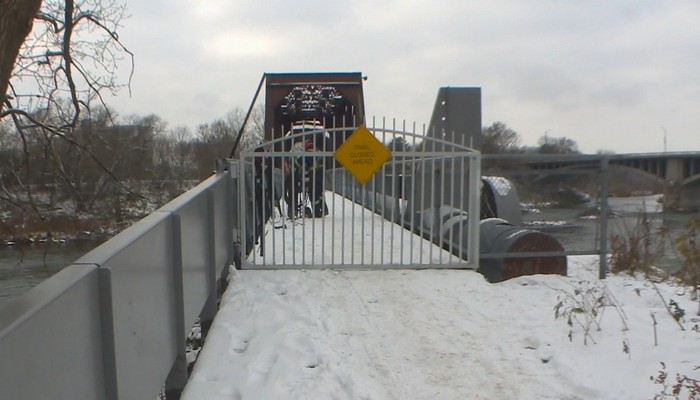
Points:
(499, 238)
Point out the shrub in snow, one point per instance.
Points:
(583, 307)
(637, 248)
(683, 387)
(688, 245)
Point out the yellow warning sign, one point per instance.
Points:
(362, 154)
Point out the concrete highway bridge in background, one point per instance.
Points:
(679, 171)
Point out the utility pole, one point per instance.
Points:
(664, 129)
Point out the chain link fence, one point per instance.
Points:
(538, 209)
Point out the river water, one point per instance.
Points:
(578, 228)
(24, 266)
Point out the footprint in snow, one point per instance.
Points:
(531, 343)
(546, 353)
(239, 344)
(259, 369)
(280, 291)
(230, 394)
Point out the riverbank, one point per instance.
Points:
(61, 222)
(60, 229)
(46, 219)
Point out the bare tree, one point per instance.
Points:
(182, 161)
(214, 140)
(16, 22)
(73, 52)
(65, 64)
(58, 58)
(254, 131)
(399, 143)
(557, 145)
(499, 139)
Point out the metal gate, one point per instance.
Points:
(300, 208)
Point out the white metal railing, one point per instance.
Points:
(420, 198)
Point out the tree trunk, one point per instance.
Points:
(16, 20)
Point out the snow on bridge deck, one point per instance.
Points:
(350, 236)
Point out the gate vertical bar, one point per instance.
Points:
(394, 192)
(268, 203)
(323, 204)
(253, 216)
(465, 190)
(422, 200)
(242, 229)
(382, 233)
(335, 191)
(294, 204)
(311, 190)
(603, 257)
(342, 220)
(474, 209)
(443, 200)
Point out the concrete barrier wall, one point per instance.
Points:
(113, 325)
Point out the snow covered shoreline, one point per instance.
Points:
(441, 335)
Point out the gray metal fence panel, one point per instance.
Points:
(51, 340)
(195, 237)
(564, 203)
(141, 260)
(118, 316)
(222, 215)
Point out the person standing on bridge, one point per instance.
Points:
(294, 174)
(304, 182)
(263, 195)
(314, 166)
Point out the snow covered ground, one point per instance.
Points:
(443, 334)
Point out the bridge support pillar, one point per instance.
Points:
(682, 197)
(674, 170)
(689, 199)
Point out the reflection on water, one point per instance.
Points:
(578, 228)
(24, 266)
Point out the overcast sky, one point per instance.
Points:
(613, 75)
